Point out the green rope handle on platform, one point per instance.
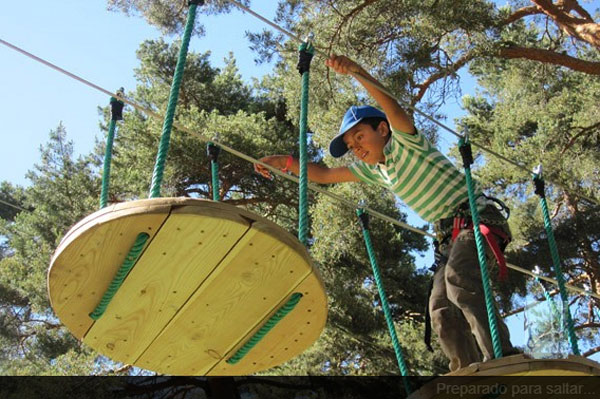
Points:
(539, 184)
(116, 114)
(213, 154)
(364, 222)
(273, 320)
(465, 150)
(305, 54)
(128, 263)
(163, 147)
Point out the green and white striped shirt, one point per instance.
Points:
(421, 176)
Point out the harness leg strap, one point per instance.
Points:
(488, 233)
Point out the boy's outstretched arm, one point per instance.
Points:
(316, 173)
(397, 117)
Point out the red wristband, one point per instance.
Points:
(288, 164)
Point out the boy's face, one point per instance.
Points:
(367, 143)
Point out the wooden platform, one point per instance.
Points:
(522, 365)
(500, 378)
(209, 277)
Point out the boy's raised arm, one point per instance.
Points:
(316, 173)
(397, 117)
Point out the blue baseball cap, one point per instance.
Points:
(353, 116)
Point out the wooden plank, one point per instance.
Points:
(84, 265)
(153, 205)
(256, 275)
(183, 253)
(297, 331)
(521, 365)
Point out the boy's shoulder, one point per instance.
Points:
(416, 141)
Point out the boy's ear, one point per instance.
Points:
(383, 129)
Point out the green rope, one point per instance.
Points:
(116, 114)
(163, 148)
(539, 182)
(273, 320)
(551, 305)
(214, 168)
(213, 154)
(465, 146)
(107, 160)
(363, 217)
(128, 263)
(553, 309)
(306, 51)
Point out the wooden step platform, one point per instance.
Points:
(522, 365)
(502, 378)
(209, 277)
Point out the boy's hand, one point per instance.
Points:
(342, 64)
(276, 161)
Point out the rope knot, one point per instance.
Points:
(539, 186)
(212, 151)
(363, 219)
(116, 107)
(466, 153)
(306, 51)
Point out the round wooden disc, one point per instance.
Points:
(209, 277)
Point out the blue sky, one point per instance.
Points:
(86, 39)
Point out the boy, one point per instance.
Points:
(391, 153)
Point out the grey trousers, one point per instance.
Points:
(457, 304)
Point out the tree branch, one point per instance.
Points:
(584, 29)
(442, 73)
(587, 325)
(591, 351)
(583, 131)
(521, 13)
(550, 57)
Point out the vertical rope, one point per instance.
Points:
(554, 312)
(107, 160)
(539, 190)
(364, 222)
(465, 150)
(213, 154)
(305, 54)
(116, 114)
(163, 147)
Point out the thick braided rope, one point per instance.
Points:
(260, 334)
(384, 303)
(214, 170)
(163, 147)
(489, 298)
(107, 161)
(128, 263)
(303, 173)
(559, 275)
(212, 151)
(553, 309)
